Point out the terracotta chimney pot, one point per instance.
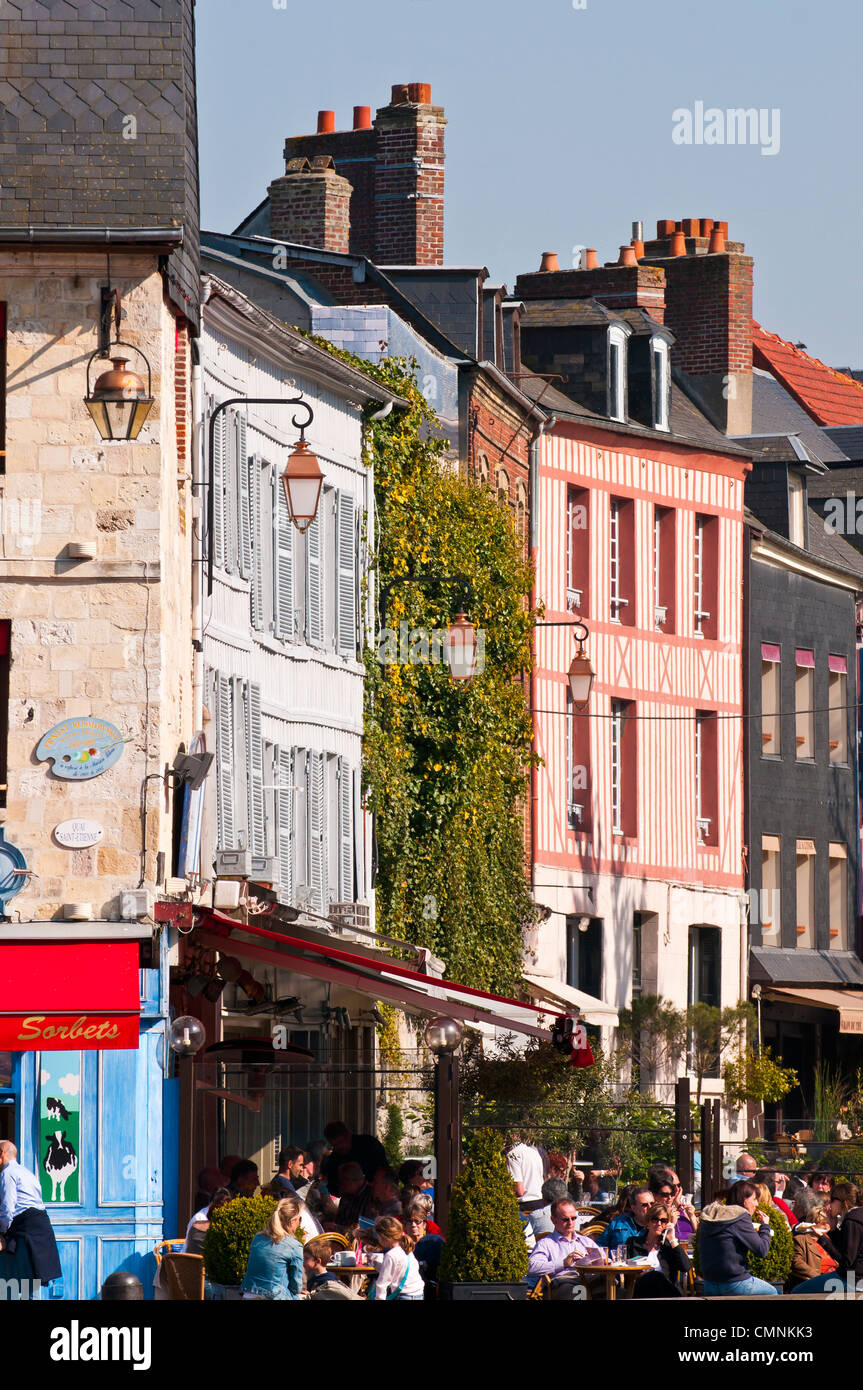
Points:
(638, 248)
(627, 256)
(362, 118)
(678, 244)
(665, 229)
(326, 122)
(717, 241)
(590, 261)
(549, 261)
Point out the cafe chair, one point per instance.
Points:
(185, 1277)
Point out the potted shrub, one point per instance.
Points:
(485, 1256)
(226, 1244)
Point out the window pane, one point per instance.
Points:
(804, 704)
(838, 897)
(771, 724)
(838, 719)
(805, 900)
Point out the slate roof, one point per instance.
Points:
(774, 411)
(773, 965)
(832, 548)
(848, 438)
(777, 448)
(836, 483)
(825, 394)
(566, 313)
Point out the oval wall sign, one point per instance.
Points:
(78, 834)
(82, 748)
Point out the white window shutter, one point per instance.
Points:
(225, 761)
(217, 540)
(284, 576)
(314, 585)
(231, 497)
(346, 569)
(318, 831)
(359, 841)
(346, 833)
(255, 778)
(257, 547)
(285, 803)
(244, 536)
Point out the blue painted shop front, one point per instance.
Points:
(99, 1128)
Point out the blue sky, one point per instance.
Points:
(560, 126)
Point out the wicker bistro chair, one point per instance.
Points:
(185, 1277)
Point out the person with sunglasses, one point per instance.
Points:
(665, 1187)
(660, 1245)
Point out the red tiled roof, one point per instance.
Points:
(828, 396)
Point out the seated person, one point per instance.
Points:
(553, 1190)
(563, 1247)
(660, 1244)
(666, 1188)
(356, 1200)
(199, 1225)
(386, 1200)
(428, 1247)
(317, 1254)
(632, 1222)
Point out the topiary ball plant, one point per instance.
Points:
(485, 1241)
(232, 1229)
(775, 1266)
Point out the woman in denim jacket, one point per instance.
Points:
(275, 1265)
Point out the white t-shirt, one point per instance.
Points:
(525, 1166)
(392, 1267)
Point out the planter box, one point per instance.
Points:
(499, 1293)
(225, 1292)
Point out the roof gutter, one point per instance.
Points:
(92, 236)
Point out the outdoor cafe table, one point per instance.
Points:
(349, 1272)
(629, 1271)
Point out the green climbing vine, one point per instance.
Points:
(446, 764)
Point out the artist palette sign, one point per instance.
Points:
(59, 1032)
(81, 748)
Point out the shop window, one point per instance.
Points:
(838, 712)
(663, 568)
(577, 549)
(584, 954)
(704, 985)
(805, 893)
(771, 687)
(804, 703)
(706, 778)
(621, 557)
(838, 872)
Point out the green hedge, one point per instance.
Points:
(232, 1229)
(845, 1159)
(485, 1241)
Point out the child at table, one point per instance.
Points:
(317, 1254)
(399, 1278)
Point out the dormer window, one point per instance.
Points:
(661, 372)
(616, 373)
(797, 509)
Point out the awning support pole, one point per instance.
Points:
(447, 1133)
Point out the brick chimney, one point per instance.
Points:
(708, 307)
(310, 204)
(395, 166)
(409, 178)
(616, 286)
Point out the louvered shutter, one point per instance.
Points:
(346, 571)
(257, 575)
(244, 536)
(231, 493)
(359, 842)
(346, 833)
(225, 759)
(284, 576)
(317, 831)
(217, 540)
(255, 778)
(314, 586)
(285, 803)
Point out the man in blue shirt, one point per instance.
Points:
(628, 1223)
(19, 1188)
(27, 1243)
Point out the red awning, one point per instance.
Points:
(60, 996)
(375, 976)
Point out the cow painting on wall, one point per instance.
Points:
(59, 1126)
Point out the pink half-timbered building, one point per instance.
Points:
(637, 531)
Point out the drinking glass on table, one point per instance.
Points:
(620, 1255)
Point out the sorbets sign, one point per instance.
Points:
(81, 748)
(58, 1032)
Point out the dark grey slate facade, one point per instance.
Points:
(98, 122)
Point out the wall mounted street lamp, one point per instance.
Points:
(460, 642)
(302, 479)
(581, 673)
(118, 401)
